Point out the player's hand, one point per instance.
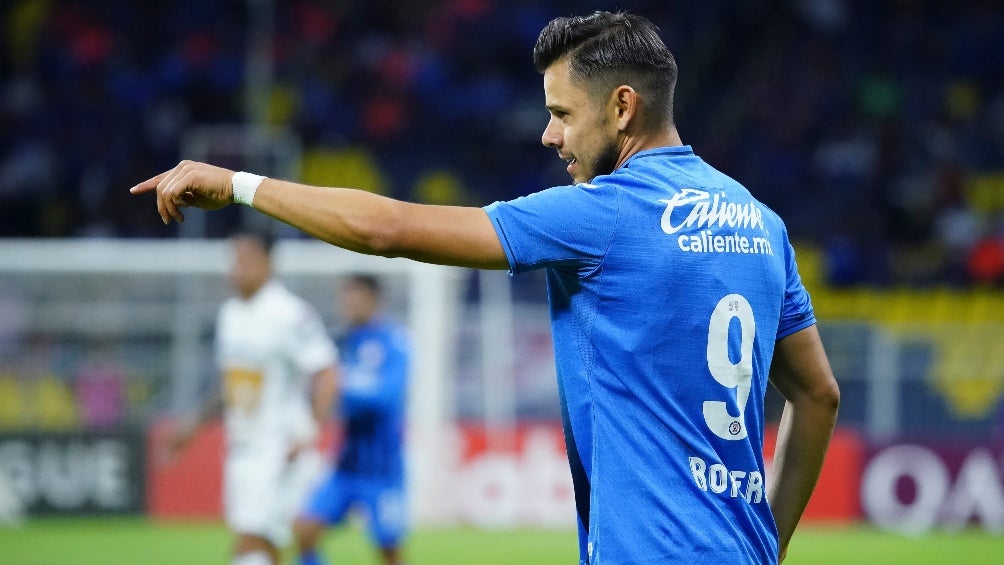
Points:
(189, 184)
(170, 450)
(296, 449)
(176, 442)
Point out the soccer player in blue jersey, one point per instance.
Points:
(369, 471)
(674, 298)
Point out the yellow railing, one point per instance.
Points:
(963, 327)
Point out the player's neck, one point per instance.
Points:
(632, 144)
(250, 292)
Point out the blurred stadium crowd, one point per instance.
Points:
(875, 128)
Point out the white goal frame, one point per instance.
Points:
(433, 311)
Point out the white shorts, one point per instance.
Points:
(263, 492)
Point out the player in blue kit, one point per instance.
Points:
(674, 298)
(369, 471)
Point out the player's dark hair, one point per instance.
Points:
(607, 50)
(369, 282)
(265, 239)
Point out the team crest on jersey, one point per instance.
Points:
(735, 427)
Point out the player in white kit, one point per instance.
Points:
(277, 383)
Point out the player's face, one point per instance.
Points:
(358, 304)
(580, 128)
(250, 268)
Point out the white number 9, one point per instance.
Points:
(739, 375)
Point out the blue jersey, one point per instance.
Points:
(374, 377)
(668, 285)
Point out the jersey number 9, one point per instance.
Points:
(731, 375)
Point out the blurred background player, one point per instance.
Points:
(369, 470)
(278, 380)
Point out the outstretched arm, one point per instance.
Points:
(802, 374)
(184, 430)
(345, 217)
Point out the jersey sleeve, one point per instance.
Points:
(796, 311)
(565, 227)
(221, 324)
(308, 346)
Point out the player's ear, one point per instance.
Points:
(624, 105)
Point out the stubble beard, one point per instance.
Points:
(605, 162)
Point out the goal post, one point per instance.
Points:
(154, 302)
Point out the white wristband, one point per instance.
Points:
(245, 185)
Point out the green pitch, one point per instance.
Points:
(136, 541)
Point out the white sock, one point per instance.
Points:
(253, 558)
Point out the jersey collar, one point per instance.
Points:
(675, 151)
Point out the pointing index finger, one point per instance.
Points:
(149, 184)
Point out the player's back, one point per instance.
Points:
(691, 292)
(668, 285)
(683, 313)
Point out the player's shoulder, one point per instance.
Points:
(393, 333)
(770, 217)
(562, 196)
(280, 303)
(228, 308)
(738, 191)
(276, 293)
(738, 188)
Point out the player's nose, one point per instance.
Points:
(551, 136)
